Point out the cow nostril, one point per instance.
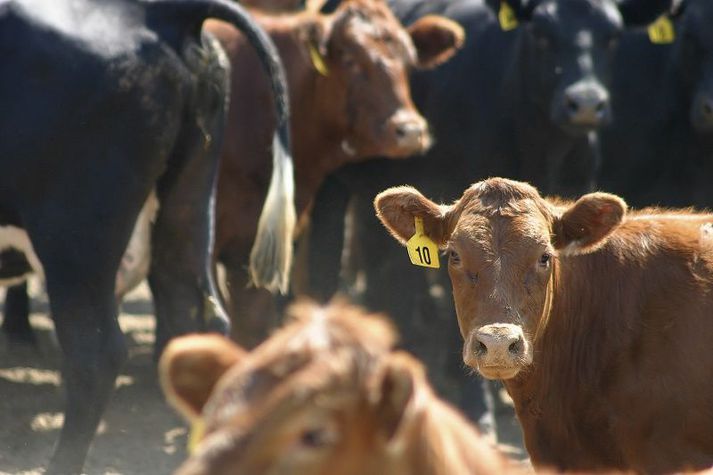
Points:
(572, 105)
(481, 349)
(515, 347)
(401, 130)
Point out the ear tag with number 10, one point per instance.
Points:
(421, 249)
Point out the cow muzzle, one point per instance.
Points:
(585, 106)
(409, 132)
(497, 351)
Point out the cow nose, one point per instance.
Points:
(703, 113)
(500, 343)
(587, 104)
(410, 132)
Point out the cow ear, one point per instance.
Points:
(397, 207)
(191, 366)
(436, 39)
(643, 12)
(394, 396)
(586, 225)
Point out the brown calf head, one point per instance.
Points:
(323, 395)
(364, 55)
(503, 243)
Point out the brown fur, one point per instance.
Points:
(617, 323)
(327, 395)
(368, 54)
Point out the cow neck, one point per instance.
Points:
(559, 399)
(316, 146)
(441, 441)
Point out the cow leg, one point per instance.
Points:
(182, 240)
(94, 350)
(16, 324)
(326, 239)
(80, 255)
(253, 311)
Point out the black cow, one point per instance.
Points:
(103, 101)
(659, 149)
(524, 102)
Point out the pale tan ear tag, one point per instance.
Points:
(662, 31)
(421, 249)
(506, 17)
(196, 435)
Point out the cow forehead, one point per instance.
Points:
(571, 12)
(501, 232)
(376, 30)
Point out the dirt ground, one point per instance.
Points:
(139, 434)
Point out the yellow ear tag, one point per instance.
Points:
(421, 249)
(506, 17)
(662, 32)
(318, 60)
(196, 435)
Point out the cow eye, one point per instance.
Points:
(544, 260)
(453, 257)
(316, 438)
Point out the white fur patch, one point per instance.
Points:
(12, 237)
(135, 263)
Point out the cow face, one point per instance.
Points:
(568, 48)
(696, 61)
(323, 395)
(367, 56)
(503, 243)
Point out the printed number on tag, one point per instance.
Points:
(421, 249)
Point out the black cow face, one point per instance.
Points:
(569, 48)
(696, 56)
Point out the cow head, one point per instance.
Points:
(568, 48)
(325, 394)
(503, 243)
(696, 61)
(364, 56)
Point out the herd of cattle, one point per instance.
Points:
(159, 138)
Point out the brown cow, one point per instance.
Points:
(350, 99)
(599, 322)
(324, 395)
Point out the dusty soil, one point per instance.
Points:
(139, 434)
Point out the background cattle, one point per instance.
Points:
(324, 394)
(659, 148)
(103, 102)
(598, 321)
(348, 79)
(523, 98)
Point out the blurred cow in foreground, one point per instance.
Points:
(598, 321)
(326, 394)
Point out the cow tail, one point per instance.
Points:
(271, 255)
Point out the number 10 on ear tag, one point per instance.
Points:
(421, 249)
